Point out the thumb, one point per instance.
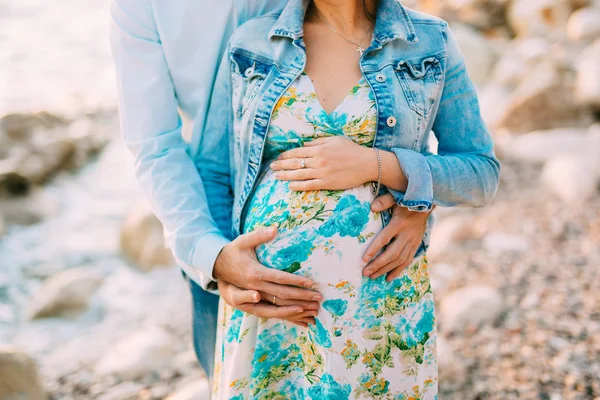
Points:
(383, 202)
(257, 237)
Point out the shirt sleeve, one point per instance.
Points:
(250, 9)
(151, 129)
(465, 171)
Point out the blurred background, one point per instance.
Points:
(92, 306)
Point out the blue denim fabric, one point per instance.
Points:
(421, 85)
(205, 314)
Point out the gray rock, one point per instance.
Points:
(478, 53)
(199, 390)
(450, 368)
(19, 127)
(124, 391)
(587, 88)
(142, 239)
(139, 354)
(64, 294)
(499, 243)
(584, 25)
(469, 308)
(573, 177)
(19, 377)
(542, 146)
(448, 231)
(534, 105)
(538, 17)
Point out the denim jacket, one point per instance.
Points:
(420, 84)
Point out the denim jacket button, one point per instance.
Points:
(249, 71)
(391, 122)
(380, 78)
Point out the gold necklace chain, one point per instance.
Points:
(360, 49)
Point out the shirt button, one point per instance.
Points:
(249, 71)
(391, 122)
(380, 78)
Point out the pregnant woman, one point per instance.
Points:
(326, 105)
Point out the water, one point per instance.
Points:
(55, 55)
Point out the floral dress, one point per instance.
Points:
(372, 339)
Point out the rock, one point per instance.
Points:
(493, 101)
(538, 17)
(448, 231)
(541, 146)
(124, 391)
(19, 126)
(142, 239)
(482, 14)
(499, 243)
(587, 87)
(64, 294)
(573, 178)
(193, 391)
(534, 104)
(478, 53)
(450, 368)
(442, 276)
(19, 377)
(46, 160)
(469, 308)
(583, 25)
(139, 354)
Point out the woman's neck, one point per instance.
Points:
(346, 16)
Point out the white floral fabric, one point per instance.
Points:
(373, 339)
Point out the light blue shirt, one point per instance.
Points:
(166, 55)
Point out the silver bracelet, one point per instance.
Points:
(378, 172)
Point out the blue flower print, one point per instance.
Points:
(297, 252)
(329, 389)
(233, 332)
(417, 322)
(349, 218)
(337, 307)
(320, 334)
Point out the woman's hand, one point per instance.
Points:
(260, 304)
(404, 234)
(333, 162)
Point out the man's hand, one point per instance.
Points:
(249, 301)
(237, 264)
(405, 232)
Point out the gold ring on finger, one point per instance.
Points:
(274, 300)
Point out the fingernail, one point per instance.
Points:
(309, 284)
(313, 314)
(313, 307)
(317, 298)
(299, 311)
(368, 272)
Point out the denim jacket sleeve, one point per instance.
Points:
(465, 171)
(151, 129)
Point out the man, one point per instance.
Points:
(166, 55)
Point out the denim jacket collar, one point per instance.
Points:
(387, 26)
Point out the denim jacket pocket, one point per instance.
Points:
(250, 71)
(421, 80)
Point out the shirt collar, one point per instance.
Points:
(393, 22)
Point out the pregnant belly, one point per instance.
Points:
(321, 229)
